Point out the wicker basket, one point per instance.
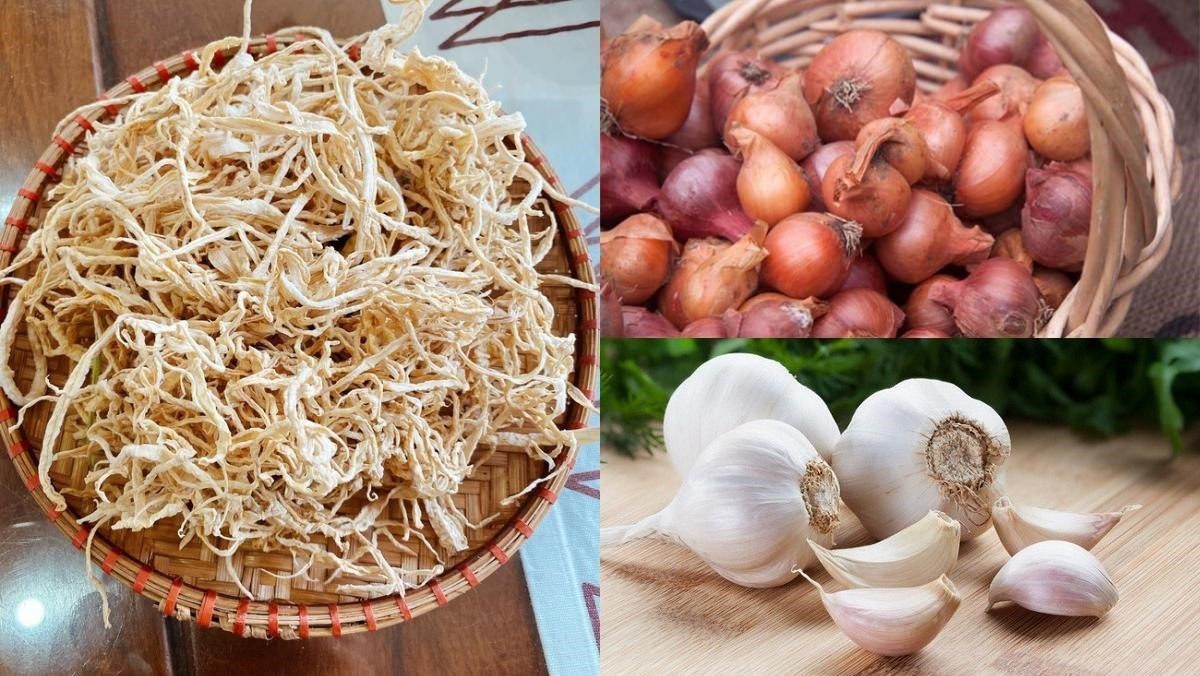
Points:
(1135, 161)
(188, 583)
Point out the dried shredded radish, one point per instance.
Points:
(287, 284)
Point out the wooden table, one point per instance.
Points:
(56, 55)
(665, 612)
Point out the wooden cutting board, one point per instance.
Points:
(664, 612)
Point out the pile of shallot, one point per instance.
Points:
(742, 198)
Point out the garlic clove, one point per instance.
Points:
(1056, 578)
(1019, 527)
(916, 555)
(895, 621)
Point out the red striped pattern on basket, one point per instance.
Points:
(498, 553)
(239, 620)
(468, 575)
(304, 622)
(80, 537)
(84, 122)
(204, 617)
(438, 594)
(142, 577)
(110, 560)
(18, 448)
(335, 620)
(172, 596)
(369, 613)
(404, 611)
(522, 527)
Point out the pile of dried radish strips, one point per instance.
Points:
(289, 283)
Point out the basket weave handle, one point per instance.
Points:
(1118, 153)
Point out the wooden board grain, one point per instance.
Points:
(665, 612)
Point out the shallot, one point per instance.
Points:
(636, 257)
(732, 75)
(929, 238)
(713, 276)
(859, 313)
(870, 192)
(815, 166)
(1057, 216)
(648, 77)
(780, 114)
(1056, 123)
(860, 76)
(997, 300)
(1006, 36)
(992, 171)
(642, 323)
(629, 177)
(699, 198)
(810, 254)
(923, 313)
(770, 186)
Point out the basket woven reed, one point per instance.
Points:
(189, 583)
(1136, 168)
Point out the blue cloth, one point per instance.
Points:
(543, 61)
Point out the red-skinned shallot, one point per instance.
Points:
(648, 77)
(636, 257)
(856, 78)
(929, 238)
(770, 186)
(997, 300)
(810, 254)
(699, 198)
(713, 276)
(859, 313)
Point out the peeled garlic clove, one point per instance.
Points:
(732, 389)
(892, 622)
(756, 496)
(916, 555)
(1056, 578)
(921, 445)
(1019, 527)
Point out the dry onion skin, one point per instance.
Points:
(290, 284)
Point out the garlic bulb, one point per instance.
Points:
(749, 506)
(922, 445)
(1019, 527)
(732, 389)
(1056, 578)
(921, 553)
(892, 621)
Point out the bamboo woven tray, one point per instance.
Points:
(189, 583)
(1137, 171)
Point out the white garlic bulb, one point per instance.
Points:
(922, 445)
(757, 494)
(732, 389)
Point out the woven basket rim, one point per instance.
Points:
(1135, 187)
(266, 619)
